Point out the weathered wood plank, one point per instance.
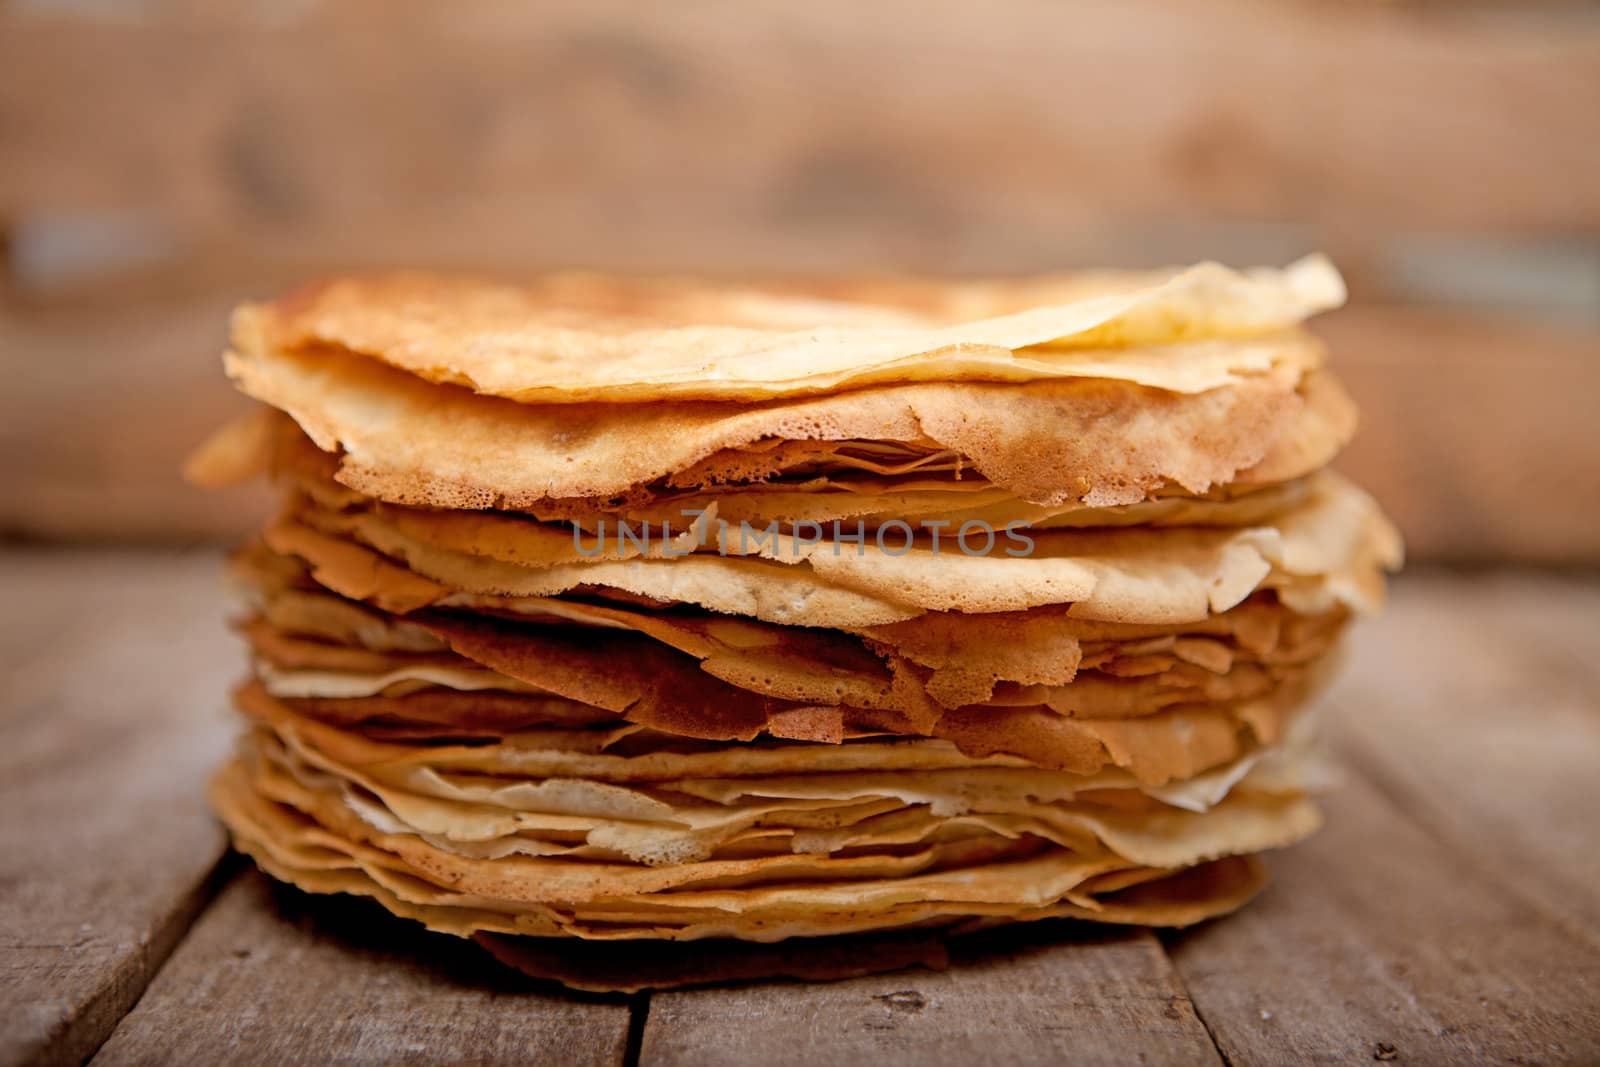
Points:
(100, 413)
(1447, 914)
(270, 975)
(113, 673)
(1475, 704)
(1376, 942)
(1052, 994)
(1546, 617)
(816, 127)
(1471, 425)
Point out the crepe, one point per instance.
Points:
(652, 632)
(1180, 899)
(1329, 552)
(770, 798)
(1097, 441)
(1041, 656)
(571, 339)
(562, 854)
(956, 496)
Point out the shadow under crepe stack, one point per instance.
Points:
(660, 632)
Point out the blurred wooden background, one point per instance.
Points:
(159, 161)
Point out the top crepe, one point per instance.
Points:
(577, 338)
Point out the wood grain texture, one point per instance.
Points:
(114, 669)
(1447, 913)
(1477, 432)
(1378, 942)
(814, 133)
(272, 976)
(1056, 994)
(1475, 705)
(99, 414)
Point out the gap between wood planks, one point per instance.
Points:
(1199, 1012)
(100, 1018)
(1032, 993)
(272, 975)
(638, 1016)
(93, 1022)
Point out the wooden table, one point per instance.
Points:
(1450, 912)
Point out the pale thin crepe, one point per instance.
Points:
(787, 807)
(856, 500)
(1171, 744)
(1328, 552)
(924, 671)
(938, 658)
(763, 898)
(597, 339)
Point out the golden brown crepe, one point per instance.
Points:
(1093, 441)
(588, 338)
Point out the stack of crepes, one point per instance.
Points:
(655, 631)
